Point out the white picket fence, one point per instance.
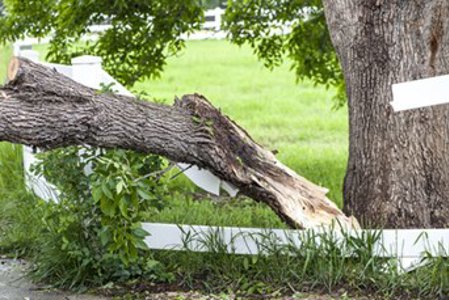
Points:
(405, 245)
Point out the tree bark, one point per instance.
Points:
(398, 169)
(41, 107)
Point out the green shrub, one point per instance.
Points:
(93, 235)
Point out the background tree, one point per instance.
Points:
(304, 38)
(142, 33)
(398, 168)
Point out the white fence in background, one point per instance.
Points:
(407, 246)
(213, 19)
(211, 29)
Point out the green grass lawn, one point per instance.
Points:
(296, 119)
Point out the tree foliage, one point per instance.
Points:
(293, 29)
(144, 33)
(141, 36)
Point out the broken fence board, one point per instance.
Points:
(254, 240)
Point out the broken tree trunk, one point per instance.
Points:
(41, 107)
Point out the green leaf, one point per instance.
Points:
(132, 251)
(119, 186)
(106, 191)
(140, 232)
(96, 194)
(105, 236)
(144, 194)
(140, 244)
(107, 207)
(123, 206)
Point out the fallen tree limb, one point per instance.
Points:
(41, 107)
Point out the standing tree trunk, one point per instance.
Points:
(41, 107)
(398, 168)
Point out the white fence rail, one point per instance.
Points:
(400, 243)
(407, 246)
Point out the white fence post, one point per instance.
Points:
(218, 12)
(38, 184)
(20, 46)
(87, 70)
(214, 24)
(30, 54)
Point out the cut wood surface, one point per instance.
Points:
(43, 108)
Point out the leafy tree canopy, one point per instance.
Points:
(144, 33)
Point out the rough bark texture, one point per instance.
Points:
(43, 108)
(398, 168)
